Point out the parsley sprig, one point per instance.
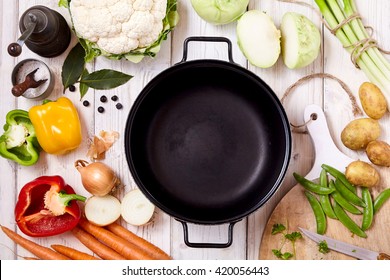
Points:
(291, 237)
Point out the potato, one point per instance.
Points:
(373, 101)
(378, 153)
(360, 173)
(358, 133)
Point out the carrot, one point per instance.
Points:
(150, 248)
(72, 253)
(122, 246)
(30, 259)
(41, 252)
(95, 245)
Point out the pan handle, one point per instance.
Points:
(207, 39)
(208, 245)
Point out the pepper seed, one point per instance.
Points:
(100, 109)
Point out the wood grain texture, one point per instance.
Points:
(295, 211)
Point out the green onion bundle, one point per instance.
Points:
(343, 19)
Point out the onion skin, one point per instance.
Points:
(97, 178)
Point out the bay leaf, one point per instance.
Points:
(105, 79)
(73, 66)
(83, 87)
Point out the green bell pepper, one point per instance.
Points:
(19, 142)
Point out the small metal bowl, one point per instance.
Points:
(23, 68)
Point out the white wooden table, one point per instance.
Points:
(165, 231)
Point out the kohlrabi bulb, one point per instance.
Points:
(220, 11)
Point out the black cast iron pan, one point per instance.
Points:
(207, 141)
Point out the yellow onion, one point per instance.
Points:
(97, 178)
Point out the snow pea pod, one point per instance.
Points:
(338, 174)
(381, 199)
(368, 212)
(343, 202)
(347, 194)
(324, 198)
(318, 212)
(311, 186)
(347, 221)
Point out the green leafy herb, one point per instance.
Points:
(105, 79)
(63, 3)
(294, 236)
(277, 228)
(323, 247)
(73, 66)
(283, 256)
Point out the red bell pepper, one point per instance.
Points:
(45, 207)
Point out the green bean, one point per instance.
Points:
(324, 198)
(347, 221)
(318, 212)
(311, 186)
(338, 174)
(343, 202)
(380, 199)
(324, 179)
(368, 211)
(347, 194)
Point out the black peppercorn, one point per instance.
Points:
(100, 109)
(86, 103)
(72, 88)
(103, 98)
(119, 106)
(114, 98)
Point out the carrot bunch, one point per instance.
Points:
(113, 242)
(116, 241)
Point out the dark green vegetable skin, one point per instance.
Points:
(347, 221)
(318, 212)
(381, 199)
(368, 212)
(337, 196)
(345, 199)
(28, 152)
(347, 194)
(339, 175)
(311, 186)
(325, 198)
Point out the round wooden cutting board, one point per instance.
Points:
(294, 210)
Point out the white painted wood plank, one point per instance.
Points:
(8, 168)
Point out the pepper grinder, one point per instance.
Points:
(44, 31)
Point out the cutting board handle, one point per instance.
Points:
(324, 147)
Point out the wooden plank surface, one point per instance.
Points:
(165, 231)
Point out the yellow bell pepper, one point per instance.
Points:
(57, 125)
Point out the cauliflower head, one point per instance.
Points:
(130, 29)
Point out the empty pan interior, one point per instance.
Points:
(207, 142)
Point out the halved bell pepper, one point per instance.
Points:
(19, 142)
(57, 125)
(46, 207)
